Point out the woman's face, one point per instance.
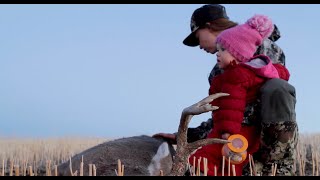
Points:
(207, 40)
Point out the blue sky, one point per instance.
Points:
(122, 70)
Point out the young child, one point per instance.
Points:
(242, 78)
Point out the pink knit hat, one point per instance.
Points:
(241, 41)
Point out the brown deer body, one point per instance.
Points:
(140, 155)
(144, 155)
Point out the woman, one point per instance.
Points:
(275, 108)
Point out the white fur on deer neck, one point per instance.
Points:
(155, 165)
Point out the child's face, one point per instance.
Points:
(224, 58)
(207, 40)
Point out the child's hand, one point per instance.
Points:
(225, 136)
(236, 157)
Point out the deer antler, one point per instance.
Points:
(184, 149)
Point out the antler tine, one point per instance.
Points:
(203, 142)
(183, 148)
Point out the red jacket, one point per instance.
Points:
(243, 83)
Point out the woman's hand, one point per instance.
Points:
(171, 138)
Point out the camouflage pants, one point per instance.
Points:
(278, 146)
(279, 135)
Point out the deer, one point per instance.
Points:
(145, 155)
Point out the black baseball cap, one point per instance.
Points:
(200, 17)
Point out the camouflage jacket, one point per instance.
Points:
(269, 48)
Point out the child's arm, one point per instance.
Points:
(229, 117)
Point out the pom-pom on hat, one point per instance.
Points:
(241, 41)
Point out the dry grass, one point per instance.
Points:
(25, 152)
(17, 155)
(308, 155)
